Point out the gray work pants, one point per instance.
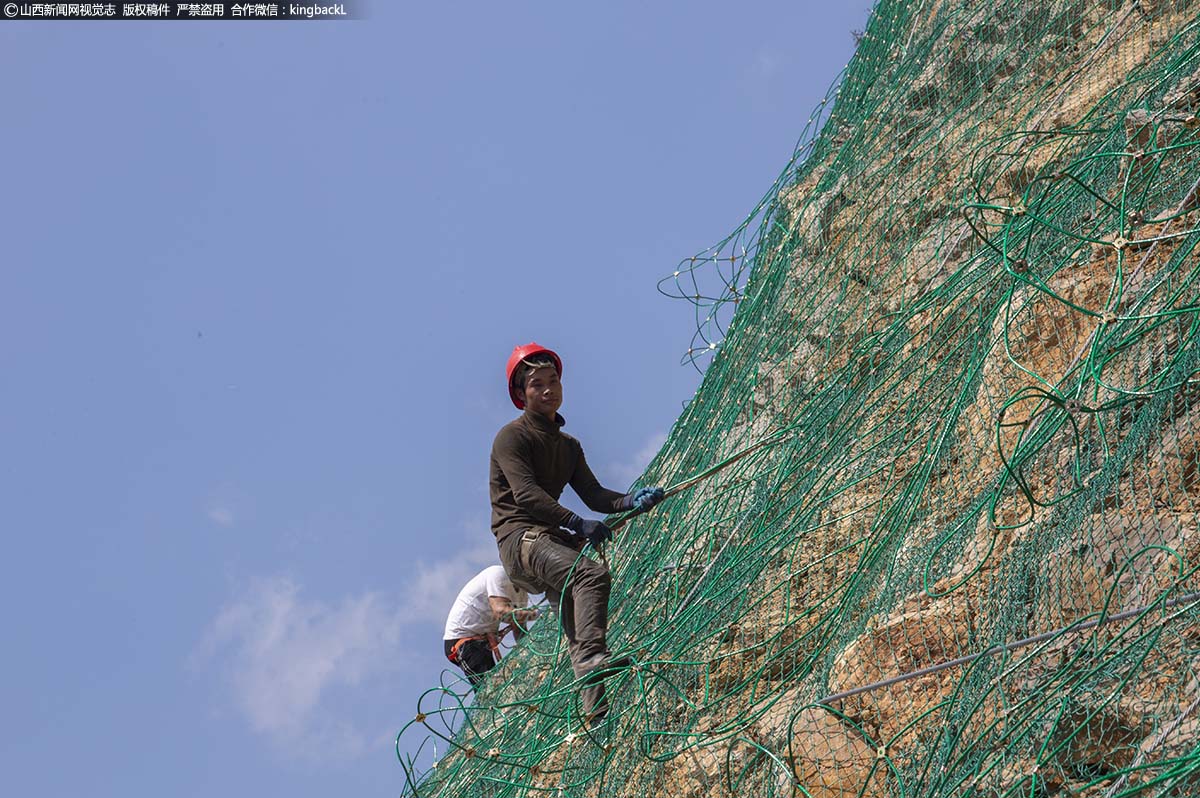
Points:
(547, 560)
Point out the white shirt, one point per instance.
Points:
(471, 614)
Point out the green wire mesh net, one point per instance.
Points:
(952, 397)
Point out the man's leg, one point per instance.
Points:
(510, 556)
(583, 586)
(564, 610)
(475, 658)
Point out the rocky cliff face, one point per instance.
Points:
(969, 336)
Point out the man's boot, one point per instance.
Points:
(595, 705)
(595, 670)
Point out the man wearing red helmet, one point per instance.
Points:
(532, 461)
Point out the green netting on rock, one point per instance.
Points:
(964, 321)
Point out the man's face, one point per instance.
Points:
(543, 392)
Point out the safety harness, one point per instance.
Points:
(492, 642)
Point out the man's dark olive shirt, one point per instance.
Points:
(532, 461)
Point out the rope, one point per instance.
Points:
(1004, 648)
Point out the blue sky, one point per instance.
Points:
(257, 289)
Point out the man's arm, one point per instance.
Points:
(595, 495)
(512, 454)
(504, 612)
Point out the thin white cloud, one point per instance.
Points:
(623, 474)
(285, 658)
(281, 654)
(759, 76)
(222, 516)
(432, 586)
(766, 64)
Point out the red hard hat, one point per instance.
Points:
(520, 353)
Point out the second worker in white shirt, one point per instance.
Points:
(473, 633)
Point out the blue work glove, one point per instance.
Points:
(595, 531)
(642, 499)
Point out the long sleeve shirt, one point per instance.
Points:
(532, 461)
